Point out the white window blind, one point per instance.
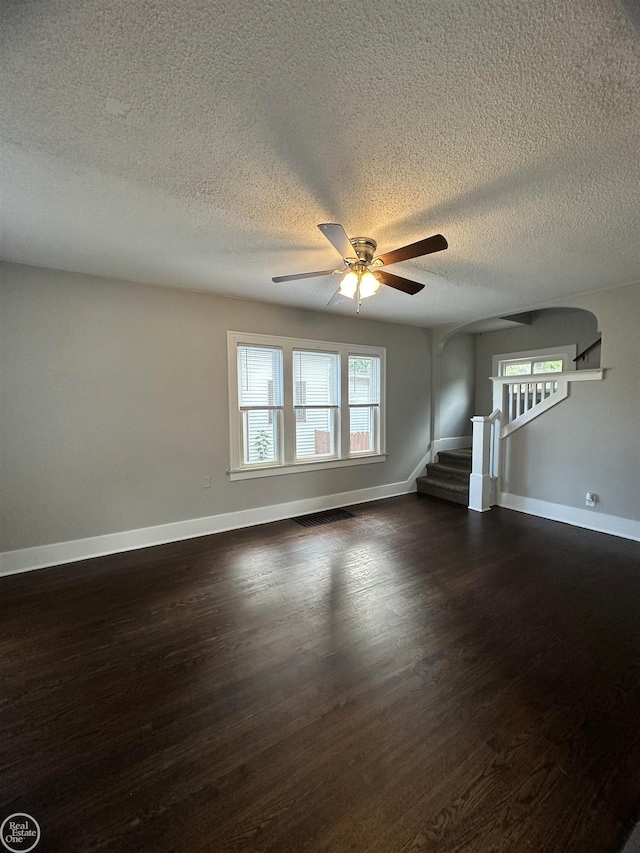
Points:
(260, 402)
(316, 377)
(259, 377)
(299, 405)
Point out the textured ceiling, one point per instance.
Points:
(198, 143)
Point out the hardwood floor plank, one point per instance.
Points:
(417, 678)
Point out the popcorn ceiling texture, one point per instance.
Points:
(198, 144)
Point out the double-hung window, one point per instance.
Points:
(298, 405)
(260, 404)
(364, 402)
(316, 381)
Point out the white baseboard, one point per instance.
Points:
(454, 443)
(627, 528)
(43, 556)
(428, 457)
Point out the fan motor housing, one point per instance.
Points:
(365, 248)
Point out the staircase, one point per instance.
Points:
(448, 478)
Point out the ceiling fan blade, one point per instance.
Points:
(403, 284)
(302, 275)
(415, 250)
(337, 236)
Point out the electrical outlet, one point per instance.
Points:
(590, 499)
(207, 483)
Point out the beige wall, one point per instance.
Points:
(113, 405)
(591, 441)
(457, 387)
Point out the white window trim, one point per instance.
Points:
(289, 466)
(567, 352)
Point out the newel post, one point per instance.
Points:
(480, 477)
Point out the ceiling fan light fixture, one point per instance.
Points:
(348, 285)
(359, 282)
(369, 285)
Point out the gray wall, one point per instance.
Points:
(457, 387)
(590, 441)
(113, 405)
(551, 327)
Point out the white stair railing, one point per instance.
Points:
(516, 401)
(525, 395)
(522, 399)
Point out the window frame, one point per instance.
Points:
(565, 353)
(333, 409)
(288, 464)
(274, 418)
(374, 408)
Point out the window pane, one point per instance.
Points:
(362, 429)
(315, 436)
(364, 379)
(516, 368)
(259, 436)
(259, 376)
(315, 378)
(548, 366)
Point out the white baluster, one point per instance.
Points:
(495, 452)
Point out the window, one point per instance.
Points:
(525, 367)
(364, 402)
(299, 405)
(552, 360)
(260, 403)
(315, 399)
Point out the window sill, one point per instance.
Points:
(302, 467)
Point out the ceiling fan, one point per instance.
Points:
(362, 274)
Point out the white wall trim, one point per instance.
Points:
(454, 443)
(627, 528)
(301, 467)
(43, 556)
(59, 553)
(417, 471)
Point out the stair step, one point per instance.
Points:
(448, 473)
(456, 458)
(442, 489)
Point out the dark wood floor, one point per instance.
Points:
(417, 678)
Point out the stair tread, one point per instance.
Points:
(443, 484)
(461, 463)
(443, 491)
(448, 470)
